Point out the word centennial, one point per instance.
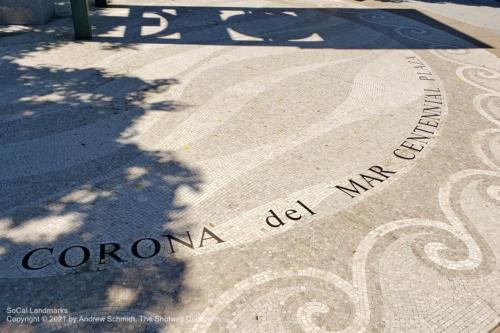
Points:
(429, 119)
(144, 248)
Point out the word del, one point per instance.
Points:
(274, 220)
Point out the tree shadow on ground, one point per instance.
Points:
(69, 177)
(308, 28)
(475, 3)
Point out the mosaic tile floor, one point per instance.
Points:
(249, 166)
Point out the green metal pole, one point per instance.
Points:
(80, 11)
(101, 3)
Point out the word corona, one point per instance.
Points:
(144, 248)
